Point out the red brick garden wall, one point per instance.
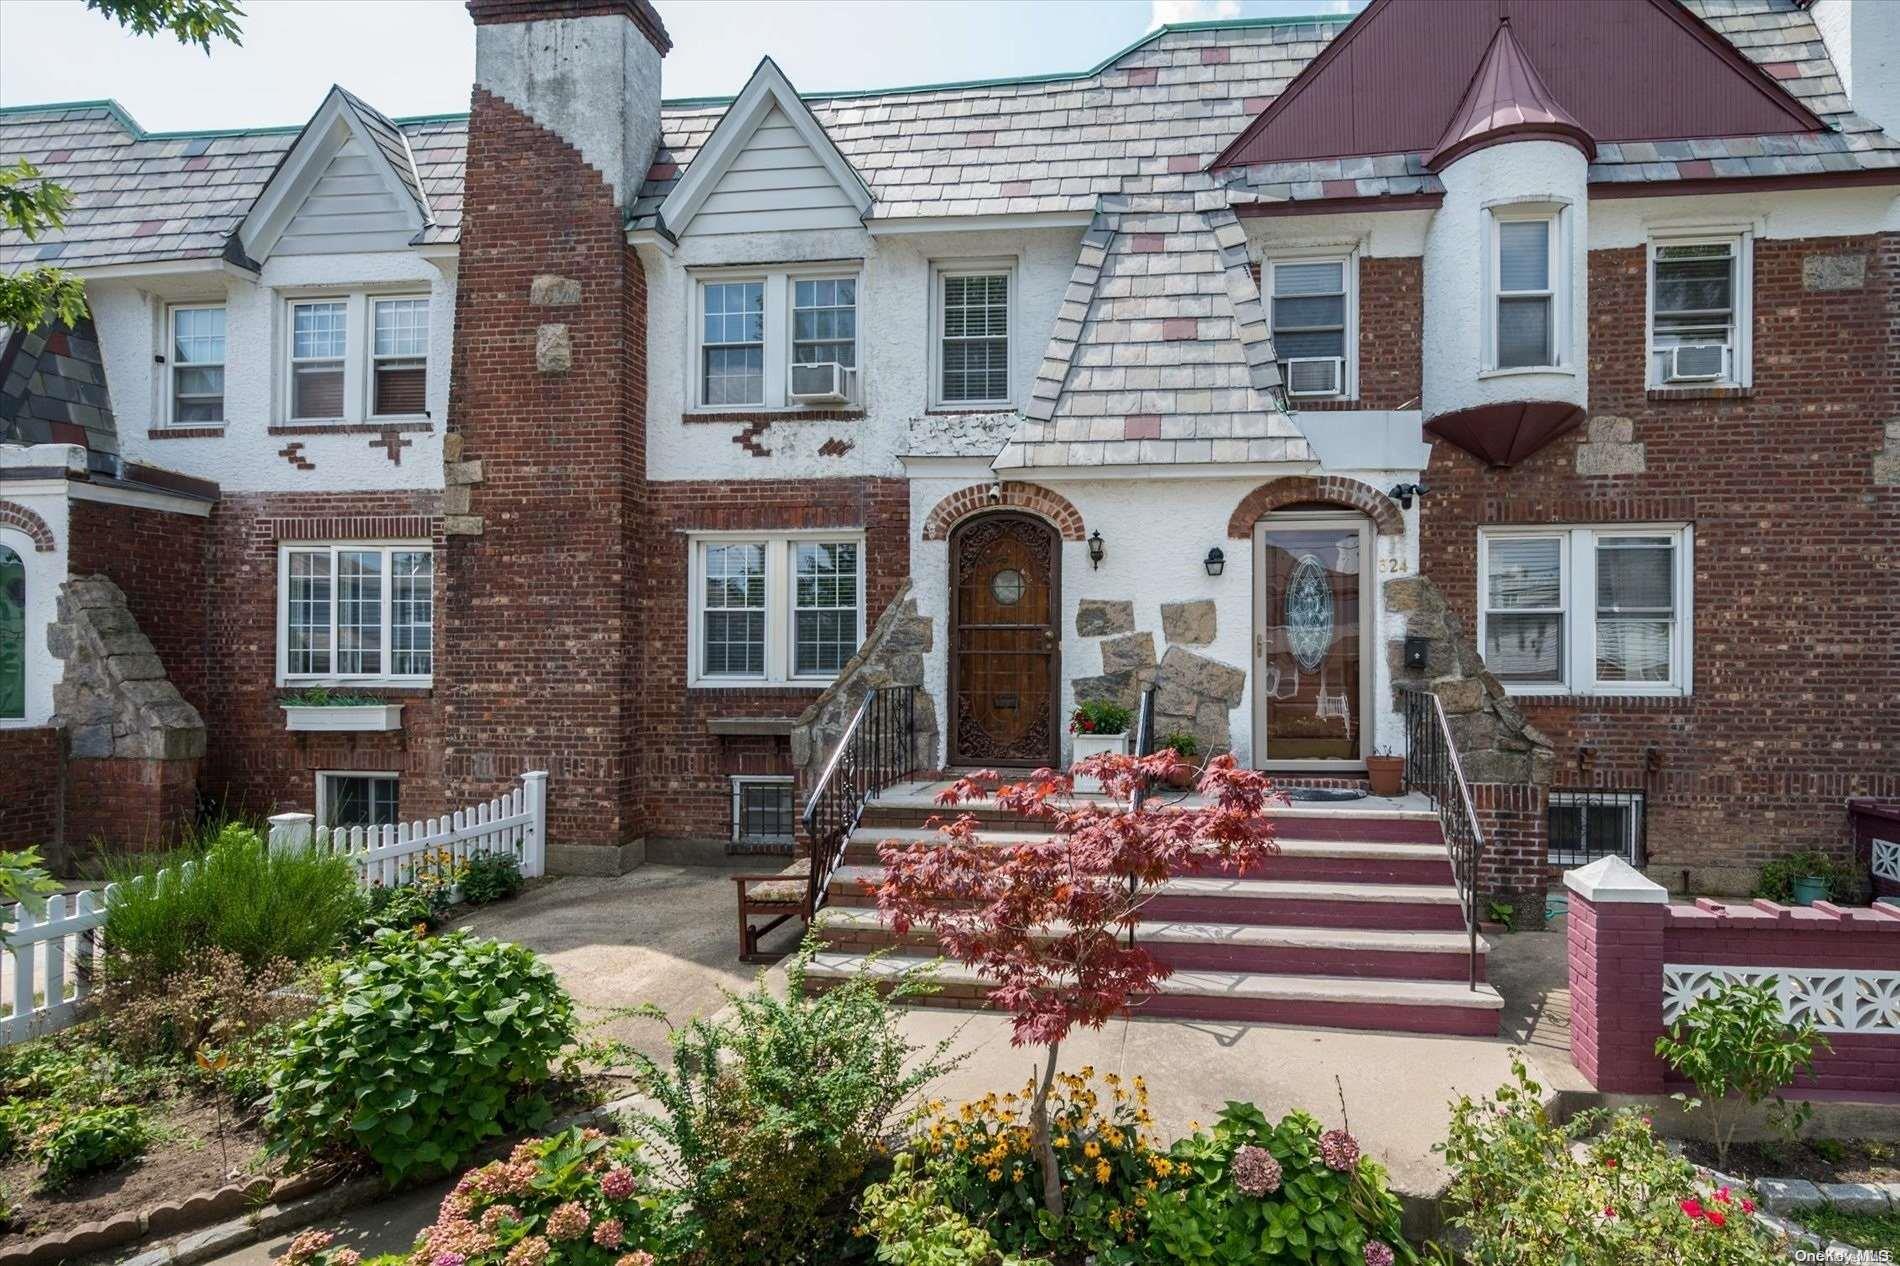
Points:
(30, 788)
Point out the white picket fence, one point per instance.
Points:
(47, 967)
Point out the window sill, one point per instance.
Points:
(961, 409)
(1596, 698)
(714, 685)
(382, 687)
(184, 432)
(1528, 371)
(844, 413)
(403, 425)
(1713, 392)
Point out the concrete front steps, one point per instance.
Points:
(1355, 923)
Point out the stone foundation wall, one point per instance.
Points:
(1194, 694)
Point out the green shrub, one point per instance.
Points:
(89, 1140)
(23, 880)
(586, 1197)
(236, 896)
(420, 1049)
(771, 1120)
(77, 1068)
(1777, 879)
(1734, 1043)
(1526, 1191)
(910, 1217)
(1182, 744)
(422, 903)
(491, 877)
(214, 1002)
(1098, 716)
(1253, 1191)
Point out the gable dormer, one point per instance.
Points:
(348, 183)
(768, 165)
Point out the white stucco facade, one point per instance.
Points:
(43, 496)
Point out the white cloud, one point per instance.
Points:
(1164, 12)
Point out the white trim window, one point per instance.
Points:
(774, 609)
(1602, 610)
(1313, 315)
(355, 612)
(1526, 314)
(753, 334)
(352, 798)
(196, 373)
(763, 810)
(356, 357)
(1582, 826)
(970, 334)
(1700, 315)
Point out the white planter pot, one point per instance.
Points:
(353, 719)
(1086, 745)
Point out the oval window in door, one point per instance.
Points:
(1309, 612)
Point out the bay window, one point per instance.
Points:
(356, 612)
(774, 609)
(1602, 610)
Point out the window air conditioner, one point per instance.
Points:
(1315, 376)
(823, 382)
(1697, 362)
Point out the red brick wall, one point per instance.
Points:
(541, 645)
(1615, 972)
(682, 768)
(29, 789)
(158, 559)
(1515, 822)
(118, 804)
(1796, 665)
(1391, 322)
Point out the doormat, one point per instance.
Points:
(1324, 793)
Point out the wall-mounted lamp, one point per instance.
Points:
(1215, 562)
(1096, 549)
(1403, 494)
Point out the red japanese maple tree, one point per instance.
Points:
(1051, 924)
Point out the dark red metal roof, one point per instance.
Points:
(1626, 70)
(1505, 434)
(1507, 101)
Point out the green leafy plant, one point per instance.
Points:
(1597, 1190)
(1777, 879)
(1502, 913)
(909, 1216)
(491, 877)
(768, 1121)
(1098, 716)
(90, 1140)
(1863, 1230)
(420, 1049)
(1253, 1191)
(325, 697)
(422, 903)
(1182, 744)
(1735, 1045)
(236, 896)
(24, 881)
(577, 1198)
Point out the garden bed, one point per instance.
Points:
(1813, 1160)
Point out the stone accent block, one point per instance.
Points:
(1189, 623)
(553, 349)
(1096, 617)
(550, 291)
(1785, 1195)
(1131, 652)
(1196, 695)
(893, 655)
(114, 693)
(1856, 1197)
(1833, 272)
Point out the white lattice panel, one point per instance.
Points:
(1887, 859)
(1837, 1001)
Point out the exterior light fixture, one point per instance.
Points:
(1403, 494)
(1096, 549)
(1215, 562)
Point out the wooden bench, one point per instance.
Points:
(777, 897)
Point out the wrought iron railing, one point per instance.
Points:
(877, 749)
(1144, 738)
(1432, 767)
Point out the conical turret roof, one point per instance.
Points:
(1507, 101)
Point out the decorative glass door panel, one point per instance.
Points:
(1004, 611)
(1309, 647)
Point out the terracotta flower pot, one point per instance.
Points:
(1386, 774)
(1183, 777)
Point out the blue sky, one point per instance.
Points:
(417, 56)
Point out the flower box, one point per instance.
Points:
(354, 718)
(1087, 745)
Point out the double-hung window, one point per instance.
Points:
(775, 608)
(769, 341)
(357, 358)
(1699, 311)
(1311, 301)
(733, 344)
(1587, 610)
(970, 347)
(1528, 273)
(197, 365)
(356, 612)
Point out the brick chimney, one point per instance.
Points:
(545, 457)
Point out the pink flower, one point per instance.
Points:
(1692, 1207)
(1722, 1195)
(635, 1258)
(1748, 1206)
(305, 1246)
(532, 1251)
(1339, 1150)
(1379, 1253)
(345, 1257)
(617, 1183)
(448, 1259)
(1717, 1217)
(1255, 1171)
(608, 1232)
(569, 1221)
(494, 1215)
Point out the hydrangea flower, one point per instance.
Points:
(608, 1232)
(495, 1214)
(1379, 1253)
(1339, 1150)
(305, 1246)
(635, 1258)
(345, 1257)
(1255, 1171)
(532, 1251)
(569, 1221)
(448, 1259)
(617, 1183)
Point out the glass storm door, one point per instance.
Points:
(1004, 609)
(1311, 612)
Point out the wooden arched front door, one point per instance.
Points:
(1005, 645)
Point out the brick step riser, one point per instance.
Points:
(1259, 959)
(1382, 1017)
(1334, 827)
(1391, 916)
(1361, 870)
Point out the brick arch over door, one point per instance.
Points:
(13, 514)
(1305, 490)
(975, 499)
